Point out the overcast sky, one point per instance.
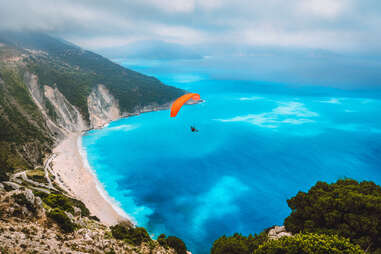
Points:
(336, 25)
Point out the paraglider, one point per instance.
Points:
(177, 104)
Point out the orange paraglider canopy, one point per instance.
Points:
(176, 106)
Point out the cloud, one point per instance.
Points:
(309, 42)
(158, 50)
(328, 9)
(329, 24)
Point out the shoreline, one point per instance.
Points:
(72, 166)
(73, 169)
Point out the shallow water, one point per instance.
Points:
(258, 145)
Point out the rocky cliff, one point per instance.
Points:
(103, 107)
(30, 223)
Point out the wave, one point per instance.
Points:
(100, 187)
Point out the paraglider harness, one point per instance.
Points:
(193, 129)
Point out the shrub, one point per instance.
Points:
(162, 240)
(238, 244)
(59, 201)
(81, 205)
(93, 217)
(62, 220)
(131, 235)
(309, 244)
(21, 200)
(347, 208)
(173, 242)
(40, 194)
(177, 244)
(3, 175)
(65, 203)
(119, 231)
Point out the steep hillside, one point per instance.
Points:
(76, 72)
(50, 87)
(24, 136)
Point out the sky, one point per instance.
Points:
(339, 25)
(191, 29)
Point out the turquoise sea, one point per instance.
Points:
(258, 144)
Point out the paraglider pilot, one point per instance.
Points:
(193, 129)
(179, 102)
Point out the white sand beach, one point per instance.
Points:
(74, 171)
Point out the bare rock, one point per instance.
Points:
(14, 186)
(103, 107)
(77, 211)
(29, 195)
(278, 232)
(71, 217)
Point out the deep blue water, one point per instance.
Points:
(258, 145)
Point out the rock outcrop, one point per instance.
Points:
(26, 227)
(68, 117)
(278, 232)
(103, 107)
(62, 117)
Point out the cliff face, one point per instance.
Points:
(62, 117)
(103, 107)
(66, 115)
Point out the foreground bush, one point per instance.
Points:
(172, 242)
(65, 203)
(23, 201)
(131, 235)
(347, 208)
(177, 244)
(62, 220)
(238, 244)
(309, 244)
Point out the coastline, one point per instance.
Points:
(71, 165)
(73, 169)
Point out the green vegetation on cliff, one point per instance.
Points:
(238, 244)
(347, 208)
(172, 242)
(64, 203)
(309, 244)
(133, 235)
(76, 72)
(24, 137)
(62, 220)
